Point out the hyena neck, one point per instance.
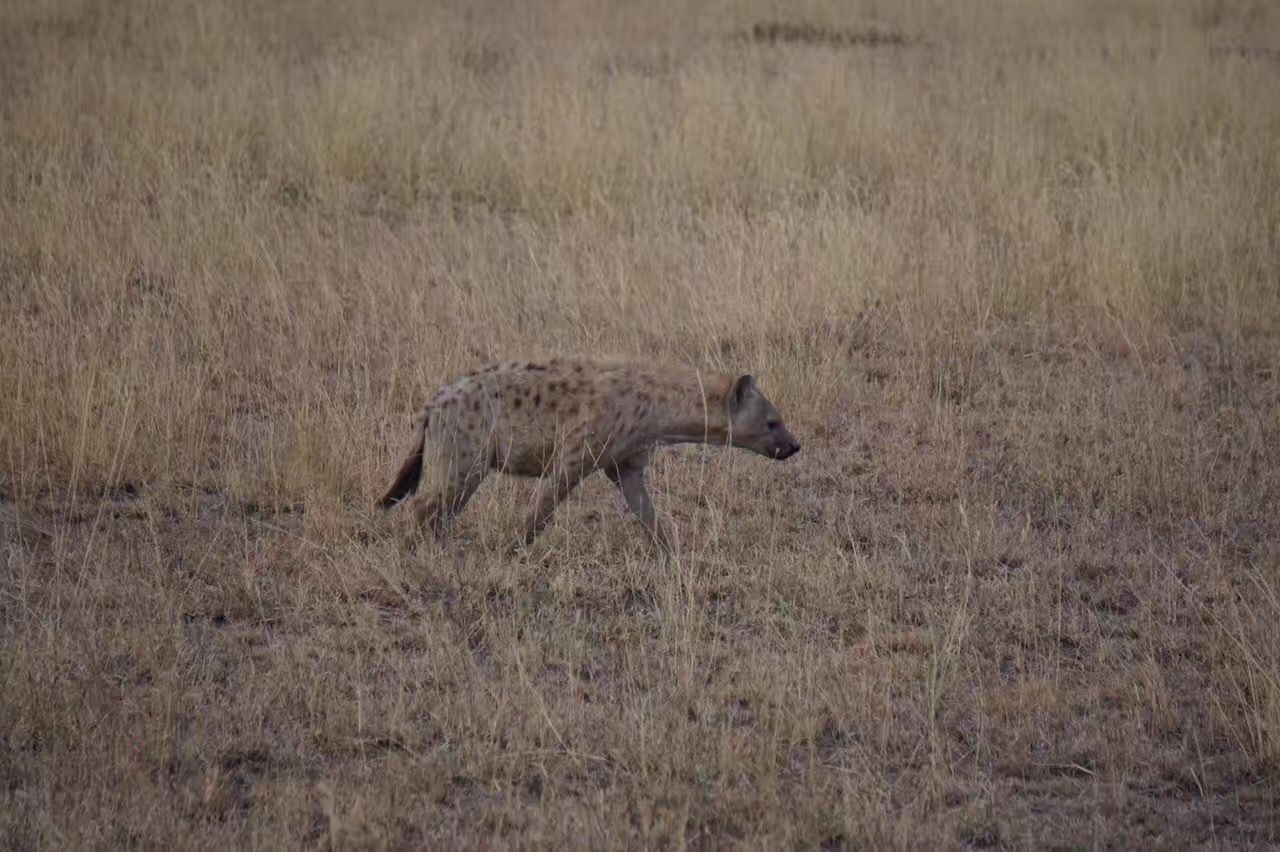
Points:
(696, 410)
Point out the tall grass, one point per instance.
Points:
(1009, 270)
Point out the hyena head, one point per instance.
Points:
(756, 424)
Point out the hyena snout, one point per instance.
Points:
(774, 442)
(758, 423)
(783, 445)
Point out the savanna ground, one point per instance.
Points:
(1010, 269)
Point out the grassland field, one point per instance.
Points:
(1010, 269)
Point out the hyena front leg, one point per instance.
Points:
(552, 488)
(629, 477)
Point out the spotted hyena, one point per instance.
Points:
(563, 419)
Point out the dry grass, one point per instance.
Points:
(1011, 270)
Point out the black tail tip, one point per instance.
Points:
(391, 501)
(406, 482)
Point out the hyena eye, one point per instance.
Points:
(773, 424)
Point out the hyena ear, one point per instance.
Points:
(738, 393)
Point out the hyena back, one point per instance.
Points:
(562, 420)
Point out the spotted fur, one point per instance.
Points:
(562, 420)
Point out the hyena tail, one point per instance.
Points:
(410, 473)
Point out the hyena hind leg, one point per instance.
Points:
(436, 509)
